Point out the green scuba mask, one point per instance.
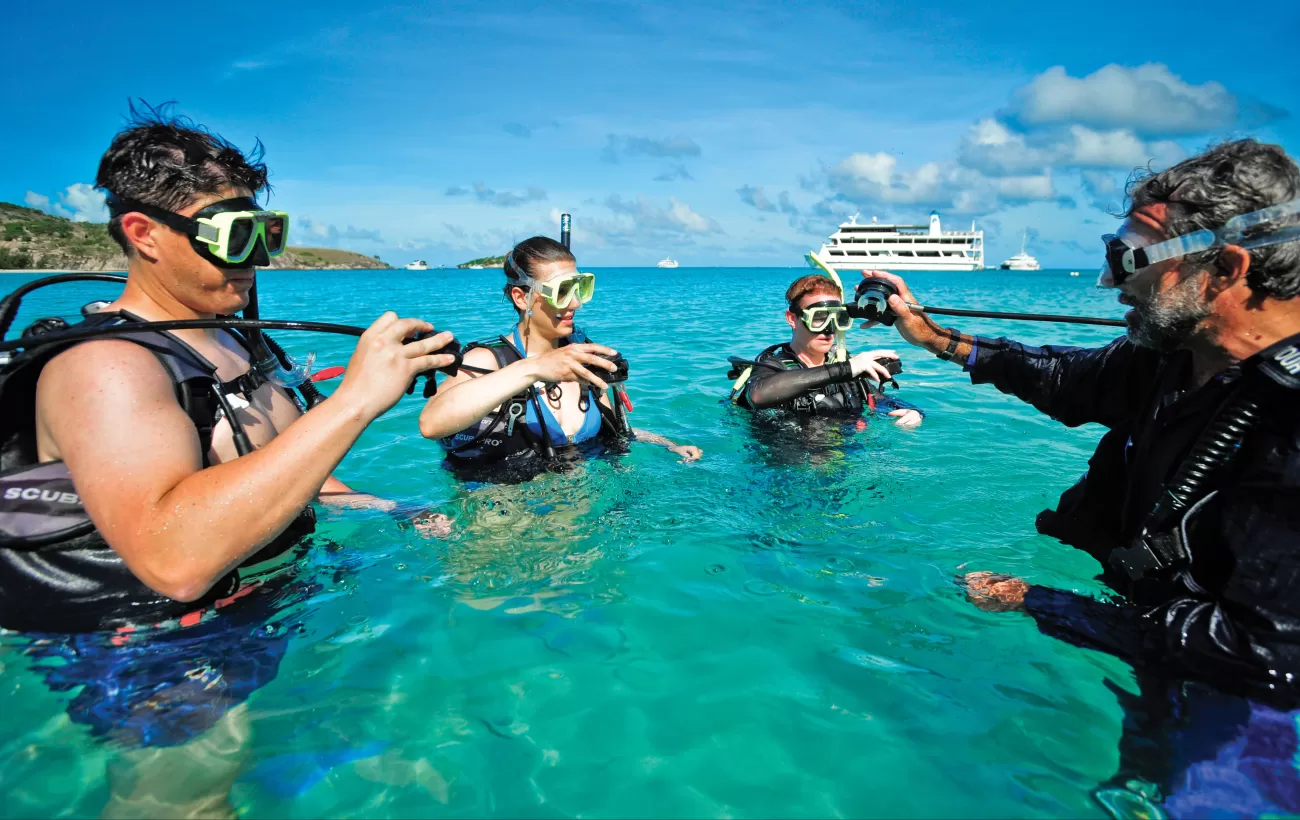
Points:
(826, 317)
(226, 233)
(560, 291)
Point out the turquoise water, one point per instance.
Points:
(767, 632)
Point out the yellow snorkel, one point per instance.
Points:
(841, 350)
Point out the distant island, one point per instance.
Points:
(485, 262)
(34, 240)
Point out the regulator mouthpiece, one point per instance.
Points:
(290, 377)
(871, 301)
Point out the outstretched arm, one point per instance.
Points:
(109, 411)
(1072, 385)
(686, 451)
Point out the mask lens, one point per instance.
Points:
(275, 234)
(241, 239)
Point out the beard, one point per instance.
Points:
(1167, 320)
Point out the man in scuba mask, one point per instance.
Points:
(812, 374)
(1191, 503)
(191, 464)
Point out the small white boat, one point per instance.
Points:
(667, 262)
(418, 264)
(1074, 273)
(1022, 260)
(474, 267)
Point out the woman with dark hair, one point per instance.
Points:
(543, 387)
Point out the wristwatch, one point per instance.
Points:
(954, 339)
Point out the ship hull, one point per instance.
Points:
(895, 264)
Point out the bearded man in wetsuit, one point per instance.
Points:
(1191, 503)
(181, 520)
(799, 377)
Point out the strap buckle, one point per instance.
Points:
(1150, 553)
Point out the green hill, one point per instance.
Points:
(485, 262)
(35, 240)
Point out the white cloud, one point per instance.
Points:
(1148, 99)
(876, 178)
(79, 202)
(676, 218)
(40, 202)
(993, 148)
(86, 203)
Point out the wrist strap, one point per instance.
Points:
(954, 339)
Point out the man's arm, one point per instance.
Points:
(1248, 632)
(1072, 385)
(111, 413)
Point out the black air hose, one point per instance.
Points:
(1213, 450)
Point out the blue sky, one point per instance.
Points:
(717, 133)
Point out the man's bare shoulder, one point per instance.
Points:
(103, 364)
(98, 389)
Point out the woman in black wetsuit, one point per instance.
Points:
(804, 376)
(542, 387)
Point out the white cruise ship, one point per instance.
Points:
(667, 262)
(1022, 260)
(418, 264)
(903, 247)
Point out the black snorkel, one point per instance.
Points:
(871, 302)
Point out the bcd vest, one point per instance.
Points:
(504, 434)
(57, 574)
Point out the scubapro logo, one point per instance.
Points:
(1289, 359)
(37, 494)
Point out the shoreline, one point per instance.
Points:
(55, 271)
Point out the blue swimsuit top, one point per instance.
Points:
(590, 420)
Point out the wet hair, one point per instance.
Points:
(524, 259)
(812, 283)
(167, 160)
(1207, 190)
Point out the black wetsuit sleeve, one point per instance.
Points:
(770, 388)
(1073, 385)
(1240, 625)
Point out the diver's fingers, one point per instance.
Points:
(599, 361)
(587, 376)
(385, 319)
(897, 281)
(592, 347)
(403, 328)
(877, 371)
(423, 364)
(432, 344)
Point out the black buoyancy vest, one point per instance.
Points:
(504, 434)
(57, 574)
(849, 397)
